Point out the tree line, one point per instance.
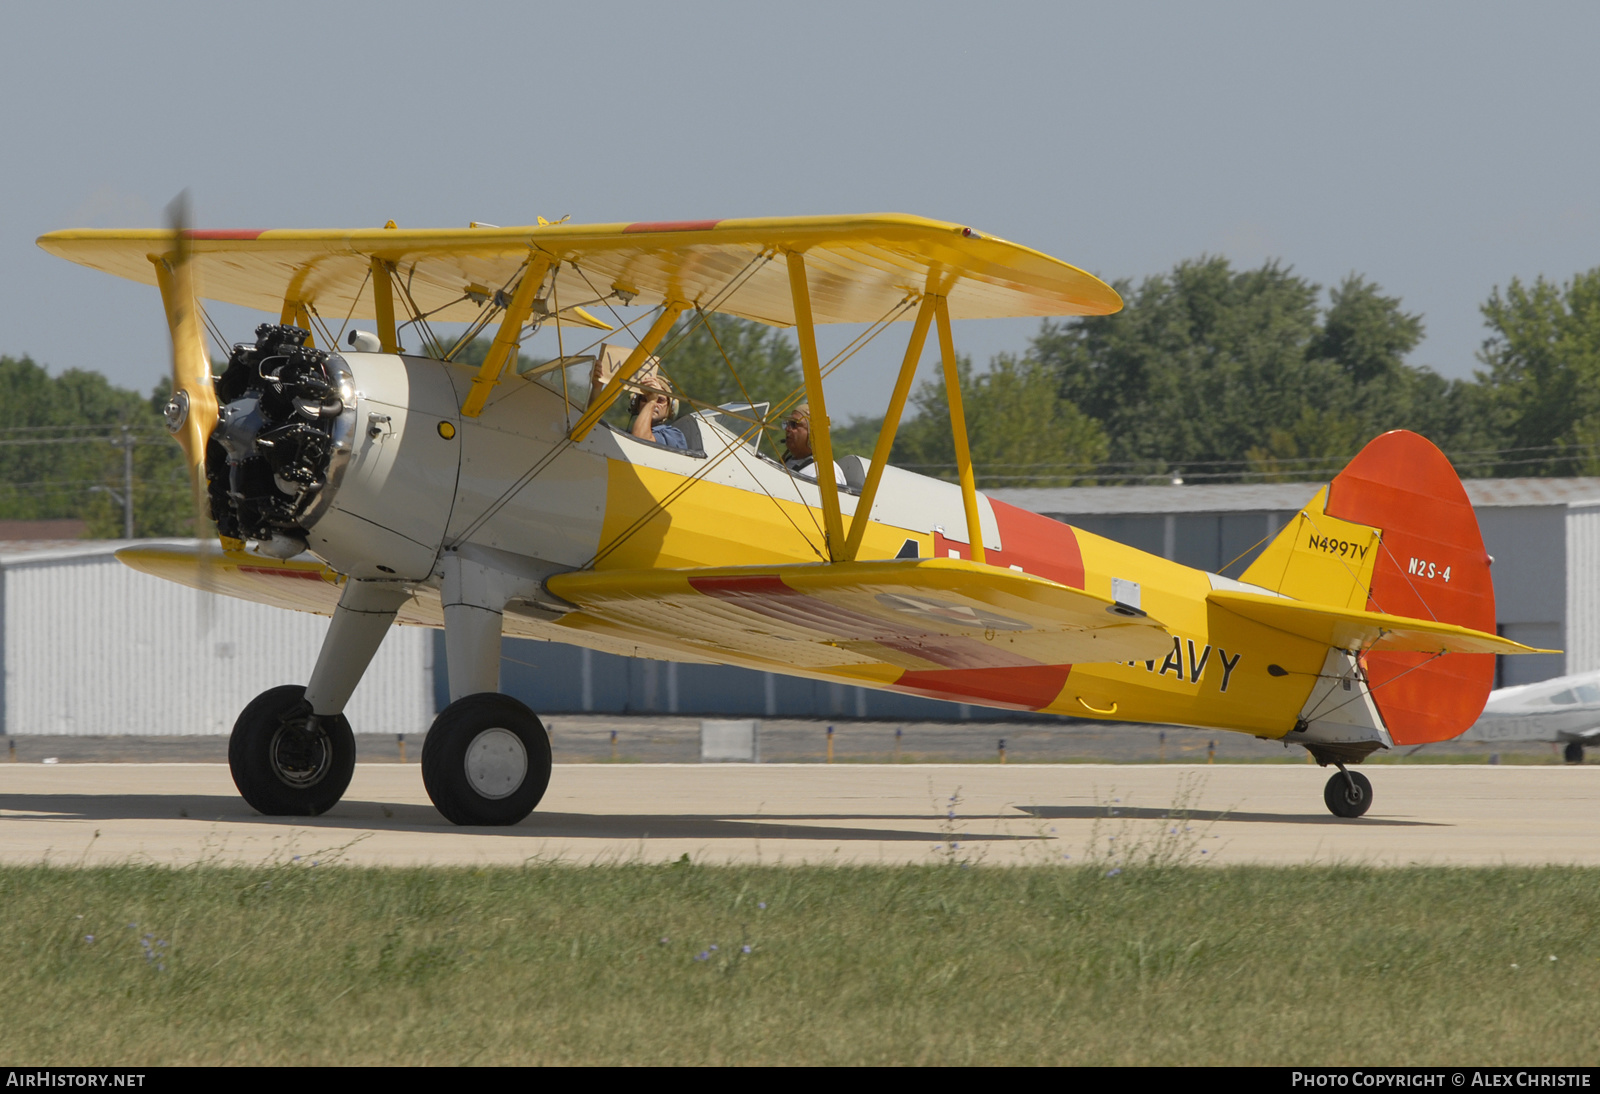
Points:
(1209, 373)
(64, 443)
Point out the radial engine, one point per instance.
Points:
(284, 428)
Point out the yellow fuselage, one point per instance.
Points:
(1214, 676)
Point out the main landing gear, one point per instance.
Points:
(486, 760)
(1573, 753)
(1348, 793)
(287, 761)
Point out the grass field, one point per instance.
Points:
(302, 963)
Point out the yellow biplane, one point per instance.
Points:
(379, 486)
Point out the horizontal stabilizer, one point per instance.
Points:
(1354, 629)
(912, 614)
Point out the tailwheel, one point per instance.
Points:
(486, 760)
(1348, 793)
(286, 761)
(1573, 752)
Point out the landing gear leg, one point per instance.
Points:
(1573, 753)
(1348, 793)
(292, 751)
(486, 759)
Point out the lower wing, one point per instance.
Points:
(911, 614)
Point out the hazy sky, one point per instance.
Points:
(1438, 148)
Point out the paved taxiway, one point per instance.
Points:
(847, 813)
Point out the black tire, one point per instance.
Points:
(1345, 801)
(1574, 752)
(283, 764)
(486, 760)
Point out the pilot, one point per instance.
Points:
(797, 444)
(650, 408)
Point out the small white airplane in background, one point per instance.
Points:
(1565, 710)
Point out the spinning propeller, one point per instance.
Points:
(191, 412)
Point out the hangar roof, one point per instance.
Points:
(1269, 496)
(24, 552)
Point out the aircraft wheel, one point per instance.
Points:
(1574, 752)
(1345, 799)
(486, 760)
(285, 763)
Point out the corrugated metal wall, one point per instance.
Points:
(92, 648)
(1529, 545)
(1583, 588)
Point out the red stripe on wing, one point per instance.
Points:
(671, 226)
(273, 571)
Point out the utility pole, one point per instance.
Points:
(125, 496)
(127, 483)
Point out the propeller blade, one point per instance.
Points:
(191, 413)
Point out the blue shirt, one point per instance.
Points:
(670, 436)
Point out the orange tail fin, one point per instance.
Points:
(1430, 564)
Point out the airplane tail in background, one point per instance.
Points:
(1395, 533)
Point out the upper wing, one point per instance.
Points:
(913, 614)
(1352, 628)
(859, 267)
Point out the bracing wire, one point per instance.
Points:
(354, 300)
(1320, 713)
(213, 329)
(322, 324)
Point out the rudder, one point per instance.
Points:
(1396, 526)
